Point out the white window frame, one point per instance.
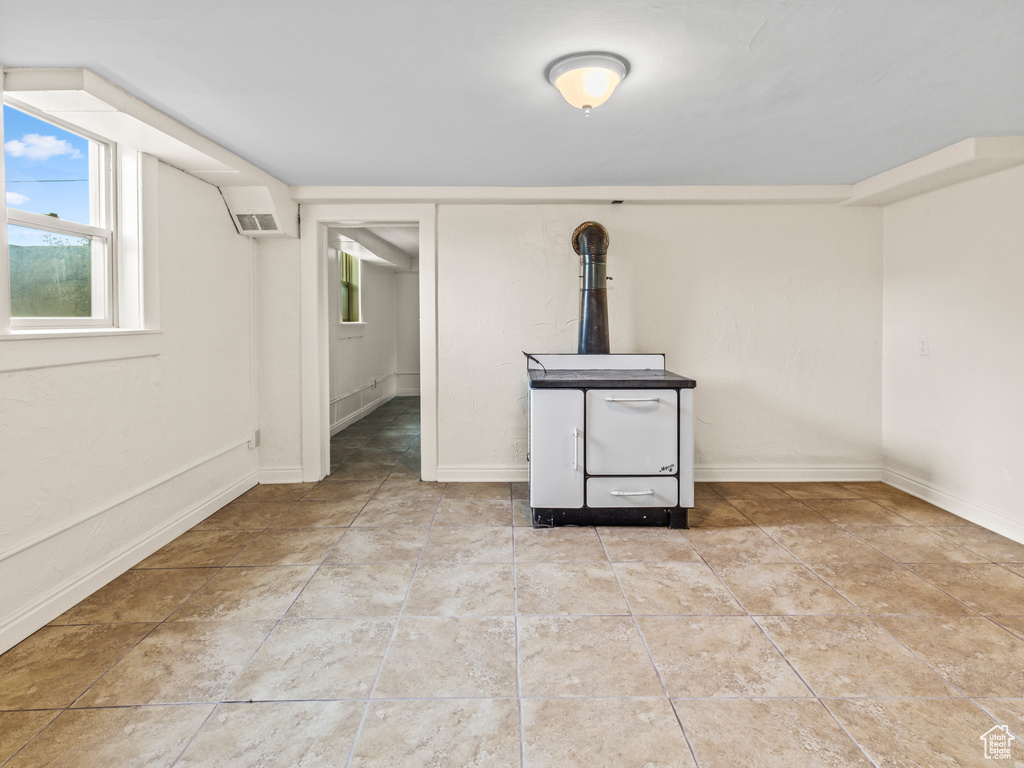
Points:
(103, 162)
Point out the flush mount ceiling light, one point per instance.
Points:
(586, 80)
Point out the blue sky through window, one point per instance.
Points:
(47, 171)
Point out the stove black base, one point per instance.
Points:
(672, 517)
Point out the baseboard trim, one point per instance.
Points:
(280, 475)
(505, 474)
(53, 603)
(988, 517)
(339, 425)
(788, 474)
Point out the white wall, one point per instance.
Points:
(364, 357)
(775, 310)
(953, 420)
(102, 463)
(407, 329)
(278, 352)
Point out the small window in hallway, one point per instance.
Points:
(349, 288)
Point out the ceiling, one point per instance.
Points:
(452, 92)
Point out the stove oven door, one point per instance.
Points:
(632, 432)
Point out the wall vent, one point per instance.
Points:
(256, 222)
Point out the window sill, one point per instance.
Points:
(23, 350)
(351, 330)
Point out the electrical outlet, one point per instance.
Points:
(922, 346)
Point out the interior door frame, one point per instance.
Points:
(314, 330)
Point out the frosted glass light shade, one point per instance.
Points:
(586, 80)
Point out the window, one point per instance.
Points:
(349, 287)
(61, 203)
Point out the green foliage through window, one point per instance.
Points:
(52, 280)
(349, 288)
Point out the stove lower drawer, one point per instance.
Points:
(632, 492)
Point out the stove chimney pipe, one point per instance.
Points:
(590, 241)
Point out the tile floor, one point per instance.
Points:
(374, 620)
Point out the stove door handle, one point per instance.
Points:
(631, 399)
(648, 492)
(575, 449)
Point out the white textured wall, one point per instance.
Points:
(100, 461)
(371, 354)
(407, 330)
(774, 309)
(953, 421)
(279, 360)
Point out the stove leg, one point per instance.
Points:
(678, 518)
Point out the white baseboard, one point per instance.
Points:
(988, 517)
(506, 474)
(339, 425)
(788, 474)
(280, 475)
(44, 609)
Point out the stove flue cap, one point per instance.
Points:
(590, 239)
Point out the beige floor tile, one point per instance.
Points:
(989, 589)
(468, 657)
(703, 491)
(715, 656)
(468, 544)
(920, 512)
(17, 728)
(397, 512)
(240, 515)
(521, 491)
(319, 514)
(483, 733)
(352, 472)
(807, 491)
(316, 659)
(1007, 712)
(984, 542)
(603, 733)
(1013, 623)
(277, 492)
(522, 513)
(782, 589)
(738, 545)
(276, 735)
(248, 593)
(650, 545)
(132, 737)
(767, 733)
(857, 512)
(289, 546)
(200, 549)
(977, 656)
(916, 733)
(407, 488)
(716, 512)
(584, 656)
(914, 544)
(140, 595)
(180, 662)
(771, 512)
(1015, 567)
(553, 589)
(461, 589)
(343, 490)
(501, 491)
(356, 589)
(843, 656)
(730, 491)
(456, 511)
(558, 545)
(889, 588)
(821, 544)
(52, 667)
(402, 544)
(675, 589)
(875, 490)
